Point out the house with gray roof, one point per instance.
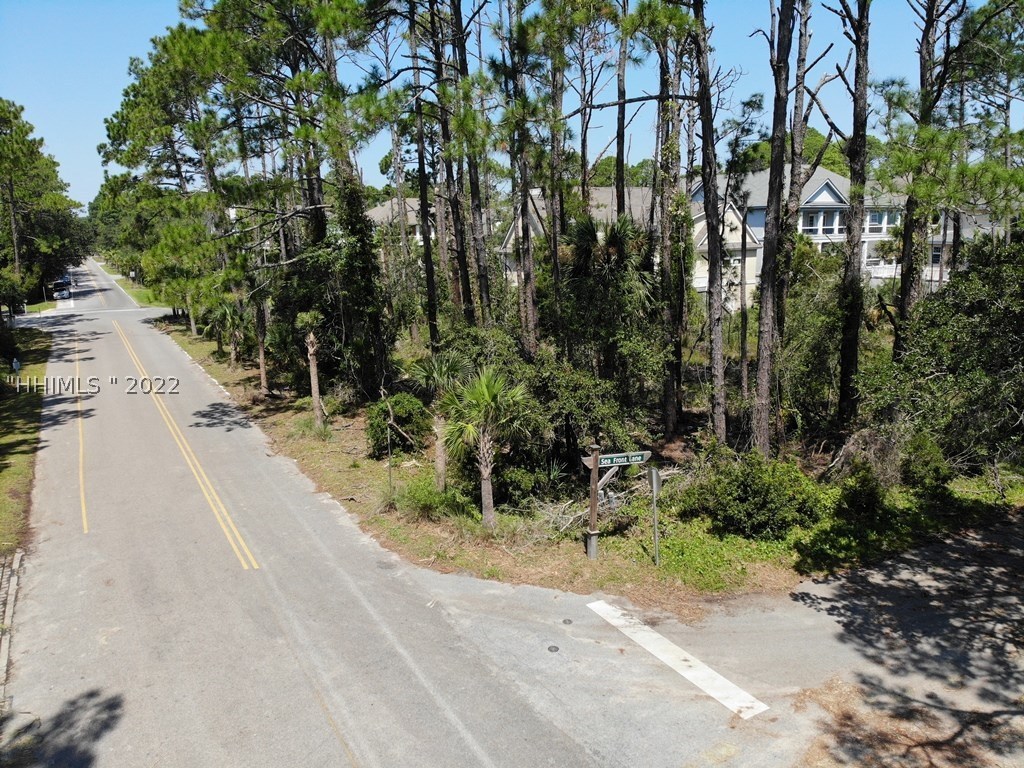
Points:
(639, 206)
(389, 212)
(822, 219)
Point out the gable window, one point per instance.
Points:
(809, 223)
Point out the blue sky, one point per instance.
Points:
(66, 62)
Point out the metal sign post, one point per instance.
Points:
(654, 476)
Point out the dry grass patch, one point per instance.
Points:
(872, 726)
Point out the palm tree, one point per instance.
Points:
(310, 323)
(481, 414)
(437, 375)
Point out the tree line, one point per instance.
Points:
(243, 204)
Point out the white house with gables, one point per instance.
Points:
(823, 220)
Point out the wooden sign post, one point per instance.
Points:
(610, 461)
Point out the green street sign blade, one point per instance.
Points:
(619, 459)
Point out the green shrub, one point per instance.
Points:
(516, 483)
(761, 499)
(923, 465)
(421, 499)
(410, 416)
(863, 503)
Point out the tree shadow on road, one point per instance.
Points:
(67, 739)
(944, 625)
(221, 416)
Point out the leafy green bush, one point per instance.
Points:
(411, 418)
(761, 499)
(962, 368)
(863, 502)
(516, 483)
(923, 465)
(749, 496)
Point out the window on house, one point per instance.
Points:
(936, 255)
(876, 222)
(828, 223)
(841, 223)
(809, 225)
(894, 218)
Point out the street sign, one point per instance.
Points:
(617, 459)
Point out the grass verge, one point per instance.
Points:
(20, 414)
(41, 306)
(143, 296)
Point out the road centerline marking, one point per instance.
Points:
(693, 669)
(220, 512)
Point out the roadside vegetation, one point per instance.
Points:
(41, 306)
(19, 437)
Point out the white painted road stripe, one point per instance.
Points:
(693, 669)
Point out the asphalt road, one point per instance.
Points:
(189, 599)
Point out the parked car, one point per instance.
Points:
(62, 293)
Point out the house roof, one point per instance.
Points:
(824, 188)
(603, 203)
(388, 211)
(639, 201)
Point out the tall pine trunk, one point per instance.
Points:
(781, 46)
(620, 113)
(453, 197)
(712, 218)
(424, 184)
(852, 286)
(476, 209)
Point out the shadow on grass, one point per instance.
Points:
(945, 622)
(867, 527)
(67, 739)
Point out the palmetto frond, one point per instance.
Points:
(442, 371)
(485, 409)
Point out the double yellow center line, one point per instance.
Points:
(227, 525)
